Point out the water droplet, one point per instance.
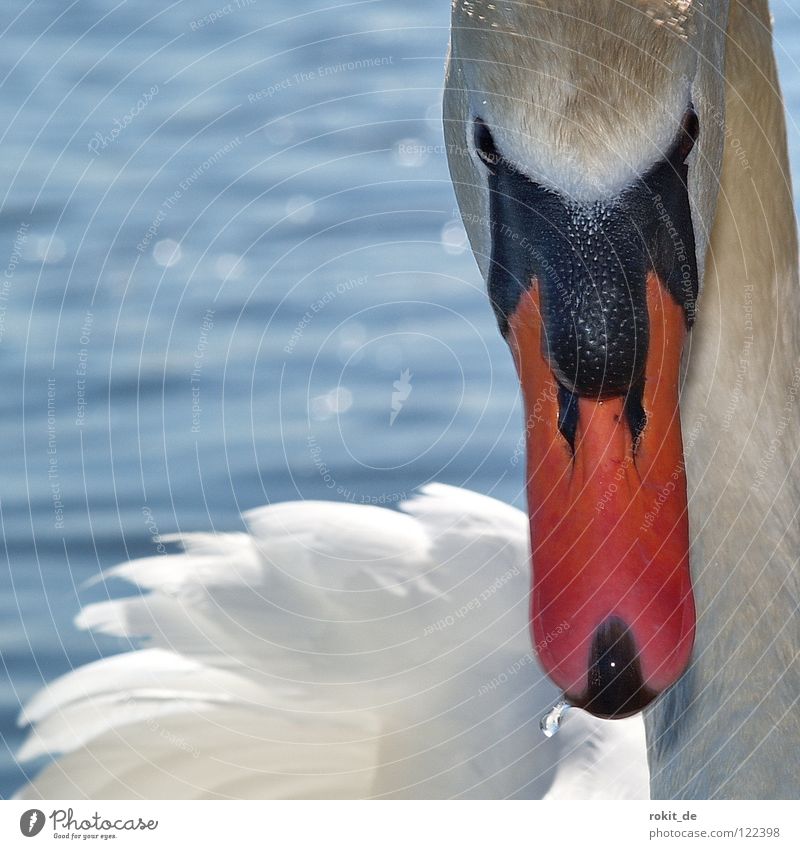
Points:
(299, 209)
(45, 249)
(351, 338)
(434, 112)
(229, 266)
(335, 402)
(410, 152)
(51, 250)
(551, 721)
(167, 253)
(454, 237)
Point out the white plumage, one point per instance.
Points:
(331, 651)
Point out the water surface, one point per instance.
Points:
(233, 276)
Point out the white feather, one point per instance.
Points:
(333, 650)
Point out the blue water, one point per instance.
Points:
(227, 232)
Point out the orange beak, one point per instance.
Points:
(594, 298)
(612, 612)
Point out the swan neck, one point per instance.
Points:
(725, 729)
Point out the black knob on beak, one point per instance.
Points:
(615, 687)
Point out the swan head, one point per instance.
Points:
(585, 144)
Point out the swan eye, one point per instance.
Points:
(690, 128)
(484, 144)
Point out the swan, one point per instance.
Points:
(622, 174)
(629, 203)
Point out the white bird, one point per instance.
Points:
(610, 159)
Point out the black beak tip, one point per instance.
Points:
(615, 686)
